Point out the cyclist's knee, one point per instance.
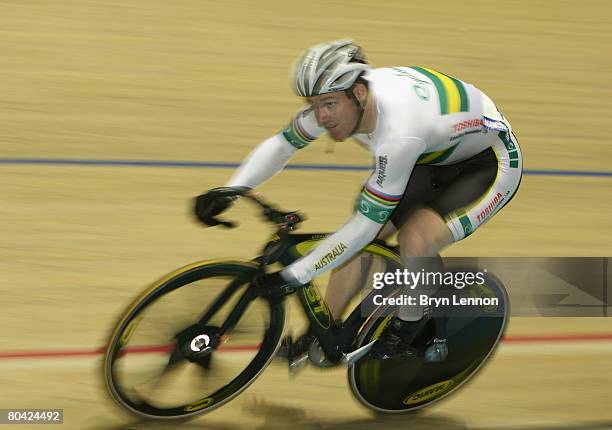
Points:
(424, 235)
(417, 243)
(414, 244)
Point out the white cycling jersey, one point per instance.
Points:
(423, 117)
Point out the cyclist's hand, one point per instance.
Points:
(207, 206)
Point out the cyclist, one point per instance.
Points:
(446, 161)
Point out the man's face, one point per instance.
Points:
(336, 112)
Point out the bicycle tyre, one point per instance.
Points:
(240, 271)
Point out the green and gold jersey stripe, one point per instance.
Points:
(512, 152)
(451, 92)
(437, 156)
(468, 227)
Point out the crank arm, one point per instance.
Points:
(352, 357)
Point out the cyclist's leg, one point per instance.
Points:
(470, 194)
(463, 218)
(428, 230)
(346, 281)
(421, 238)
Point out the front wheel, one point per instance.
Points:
(192, 342)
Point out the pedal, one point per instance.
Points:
(298, 364)
(296, 353)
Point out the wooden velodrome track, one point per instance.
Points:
(205, 81)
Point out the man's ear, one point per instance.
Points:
(361, 92)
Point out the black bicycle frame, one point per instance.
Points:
(334, 337)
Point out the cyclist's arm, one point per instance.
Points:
(273, 154)
(380, 196)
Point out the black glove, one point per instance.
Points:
(211, 204)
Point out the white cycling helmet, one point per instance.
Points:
(329, 67)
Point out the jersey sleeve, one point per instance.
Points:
(333, 251)
(385, 187)
(273, 154)
(303, 129)
(267, 159)
(379, 197)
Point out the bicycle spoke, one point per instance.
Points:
(167, 363)
(175, 357)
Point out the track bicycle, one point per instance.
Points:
(198, 337)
